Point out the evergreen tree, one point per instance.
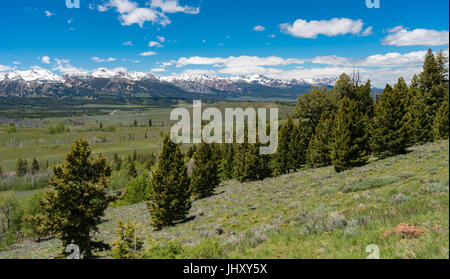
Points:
(441, 125)
(117, 162)
(227, 163)
(299, 139)
(132, 172)
(283, 159)
(389, 135)
(249, 165)
(21, 167)
(35, 166)
(76, 205)
(349, 148)
(170, 198)
(128, 244)
(205, 176)
(318, 153)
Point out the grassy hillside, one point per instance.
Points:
(313, 213)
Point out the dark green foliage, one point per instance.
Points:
(132, 172)
(441, 125)
(35, 166)
(190, 151)
(283, 159)
(389, 136)
(227, 162)
(170, 198)
(117, 162)
(75, 206)
(300, 137)
(311, 105)
(205, 174)
(349, 148)
(428, 91)
(318, 153)
(249, 165)
(21, 167)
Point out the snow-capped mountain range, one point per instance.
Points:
(36, 82)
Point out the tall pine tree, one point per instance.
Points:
(170, 198)
(318, 153)
(349, 148)
(389, 135)
(75, 206)
(205, 175)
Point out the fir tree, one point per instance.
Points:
(299, 140)
(170, 198)
(35, 166)
(389, 135)
(76, 205)
(349, 148)
(132, 172)
(21, 167)
(249, 165)
(441, 121)
(283, 159)
(205, 176)
(318, 153)
(226, 163)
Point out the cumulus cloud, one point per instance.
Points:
(128, 43)
(99, 60)
(45, 59)
(379, 68)
(131, 13)
(172, 6)
(334, 27)
(401, 36)
(259, 28)
(64, 66)
(161, 39)
(147, 53)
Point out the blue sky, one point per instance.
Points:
(285, 39)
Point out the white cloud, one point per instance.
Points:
(99, 60)
(418, 37)
(49, 14)
(259, 28)
(161, 39)
(147, 53)
(391, 59)
(128, 43)
(172, 6)
(64, 66)
(158, 70)
(16, 62)
(45, 59)
(154, 44)
(334, 27)
(4, 68)
(367, 31)
(131, 13)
